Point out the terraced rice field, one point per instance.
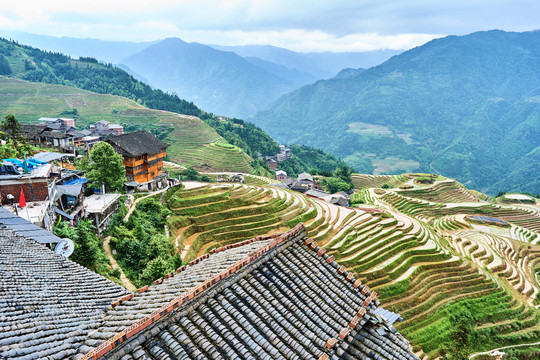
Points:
(193, 142)
(216, 215)
(423, 258)
(442, 192)
(377, 181)
(520, 216)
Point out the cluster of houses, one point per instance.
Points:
(283, 155)
(60, 133)
(305, 184)
(51, 187)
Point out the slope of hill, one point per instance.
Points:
(192, 141)
(426, 261)
(465, 106)
(219, 81)
(24, 62)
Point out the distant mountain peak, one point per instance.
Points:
(429, 108)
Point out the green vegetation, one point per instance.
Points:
(5, 68)
(89, 251)
(244, 135)
(458, 349)
(106, 168)
(160, 131)
(142, 250)
(192, 141)
(340, 180)
(451, 97)
(311, 160)
(518, 353)
(16, 146)
(371, 181)
(360, 197)
(212, 216)
(35, 65)
(10, 125)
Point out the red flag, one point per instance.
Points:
(22, 200)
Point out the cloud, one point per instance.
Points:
(304, 25)
(310, 41)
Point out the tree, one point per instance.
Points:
(190, 174)
(5, 68)
(106, 168)
(11, 126)
(458, 349)
(334, 185)
(155, 269)
(87, 251)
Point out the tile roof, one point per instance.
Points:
(32, 129)
(289, 299)
(138, 143)
(46, 301)
(317, 193)
(23, 227)
(305, 177)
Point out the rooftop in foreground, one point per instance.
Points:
(286, 299)
(269, 297)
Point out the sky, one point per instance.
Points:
(299, 25)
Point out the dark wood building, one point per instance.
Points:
(143, 158)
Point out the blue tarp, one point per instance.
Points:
(16, 162)
(31, 163)
(75, 182)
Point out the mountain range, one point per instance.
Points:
(465, 106)
(227, 80)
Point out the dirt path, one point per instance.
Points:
(502, 348)
(127, 284)
(133, 203)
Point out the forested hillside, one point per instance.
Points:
(25, 62)
(465, 106)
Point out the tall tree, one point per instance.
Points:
(5, 69)
(106, 168)
(87, 248)
(11, 126)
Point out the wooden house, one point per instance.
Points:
(143, 155)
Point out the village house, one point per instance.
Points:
(65, 121)
(281, 175)
(143, 155)
(99, 208)
(103, 126)
(34, 185)
(272, 164)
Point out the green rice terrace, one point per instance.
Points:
(193, 142)
(415, 247)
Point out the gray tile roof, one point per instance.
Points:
(47, 303)
(32, 129)
(23, 227)
(291, 301)
(316, 193)
(138, 143)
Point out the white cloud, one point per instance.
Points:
(303, 25)
(310, 41)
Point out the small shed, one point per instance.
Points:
(100, 208)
